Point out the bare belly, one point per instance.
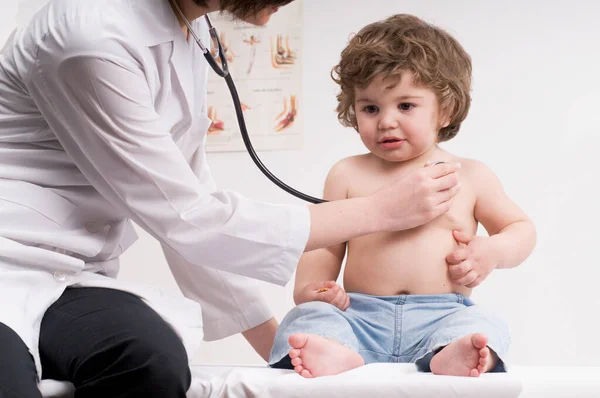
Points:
(412, 261)
(409, 262)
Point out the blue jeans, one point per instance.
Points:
(404, 328)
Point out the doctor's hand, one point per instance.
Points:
(329, 292)
(419, 197)
(472, 261)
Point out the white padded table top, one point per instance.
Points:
(378, 380)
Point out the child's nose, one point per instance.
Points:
(388, 121)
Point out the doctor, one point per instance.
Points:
(103, 122)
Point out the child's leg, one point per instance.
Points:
(467, 343)
(315, 339)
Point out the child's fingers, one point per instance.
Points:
(470, 277)
(339, 300)
(347, 304)
(326, 295)
(457, 271)
(462, 237)
(457, 256)
(333, 294)
(476, 283)
(326, 286)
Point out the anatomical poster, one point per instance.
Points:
(266, 66)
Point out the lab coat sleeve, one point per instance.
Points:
(230, 303)
(91, 88)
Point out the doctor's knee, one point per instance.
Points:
(164, 365)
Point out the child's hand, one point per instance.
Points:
(472, 262)
(329, 292)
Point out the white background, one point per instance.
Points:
(534, 121)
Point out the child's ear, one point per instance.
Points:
(444, 119)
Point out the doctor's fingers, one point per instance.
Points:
(442, 170)
(469, 278)
(445, 183)
(446, 195)
(437, 210)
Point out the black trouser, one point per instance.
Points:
(106, 342)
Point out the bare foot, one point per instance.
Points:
(468, 356)
(314, 356)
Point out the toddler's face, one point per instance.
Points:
(397, 123)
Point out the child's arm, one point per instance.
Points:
(319, 269)
(510, 229)
(511, 233)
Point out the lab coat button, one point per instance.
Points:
(60, 277)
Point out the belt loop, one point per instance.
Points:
(403, 298)
(460, 298)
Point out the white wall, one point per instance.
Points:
(8, 12)
(534, 121)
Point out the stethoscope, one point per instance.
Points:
(224, 73)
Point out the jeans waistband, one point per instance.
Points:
(419, 298)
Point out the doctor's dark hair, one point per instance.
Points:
(244, 8)
(404, 43)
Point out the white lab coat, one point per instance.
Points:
(103, 121)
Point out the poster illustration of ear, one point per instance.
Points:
(266, 66)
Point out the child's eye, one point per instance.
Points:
(405, 106)
(370, 109)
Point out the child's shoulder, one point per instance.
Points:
(344, 174)
(477, 173)
(350, 164)
(473, 167)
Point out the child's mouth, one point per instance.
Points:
(391, 143)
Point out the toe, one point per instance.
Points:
(479, 340)
(298, 340)
(294, 352)
(474, 373)
(306, 373)
(483, 364)
(297, 361)
(484, 352)
(299, 369)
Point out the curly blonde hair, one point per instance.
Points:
(406, 43)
